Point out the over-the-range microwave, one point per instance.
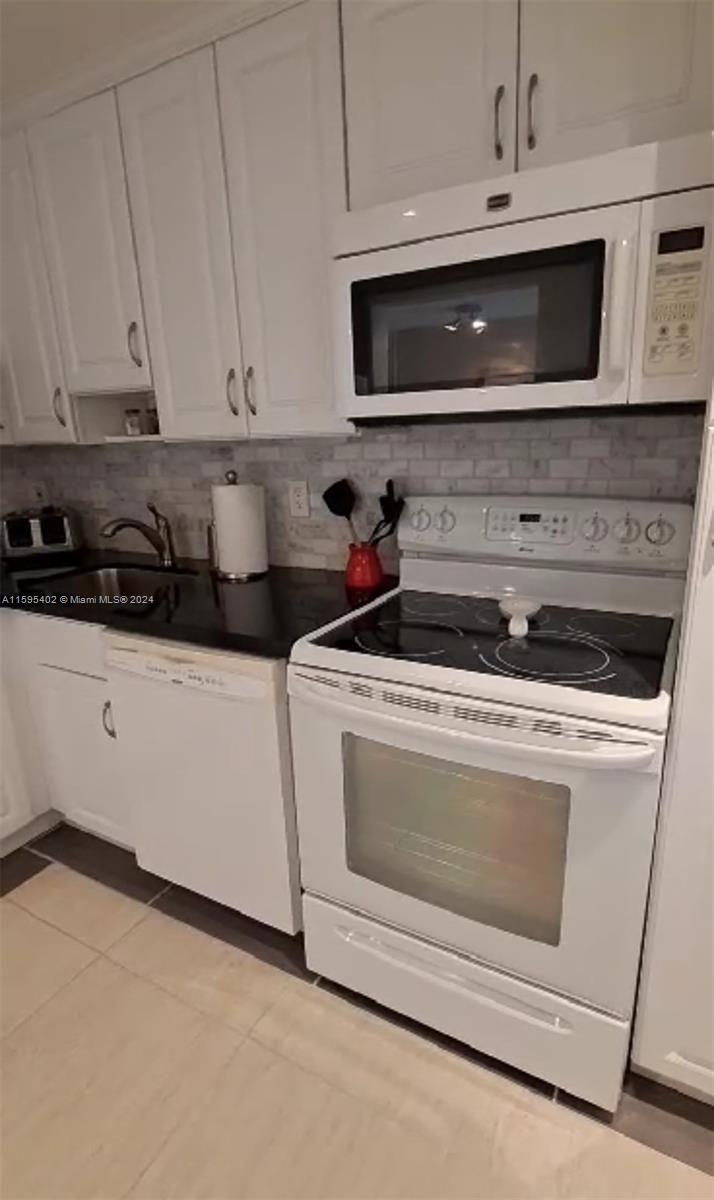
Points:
(602, 306)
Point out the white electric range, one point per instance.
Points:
(477, 769)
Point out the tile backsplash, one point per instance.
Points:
(653, 455)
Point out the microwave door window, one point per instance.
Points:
(525, 318)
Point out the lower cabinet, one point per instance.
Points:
(75, 716)
(23, 791)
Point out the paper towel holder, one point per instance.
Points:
(226, 576)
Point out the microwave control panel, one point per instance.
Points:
(676, 294)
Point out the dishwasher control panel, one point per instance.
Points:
(235, 676)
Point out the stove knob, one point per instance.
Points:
(421, 520)
(659, 532)
(594, 529)
(445, 521)
(627, 530)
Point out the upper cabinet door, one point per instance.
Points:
(178, 200)
(84, 214)
(599, 75)
(279, 89)
(32, 383)
(430, 90)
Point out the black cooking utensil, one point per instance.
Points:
(390, 526)
(388, 505)
(340, 498)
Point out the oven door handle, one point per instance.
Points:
(611, 755)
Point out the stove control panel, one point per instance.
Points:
(614, 534)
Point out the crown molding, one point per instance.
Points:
(115, 69)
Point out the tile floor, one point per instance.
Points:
(154, 1046)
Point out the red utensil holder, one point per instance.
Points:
(364, 570)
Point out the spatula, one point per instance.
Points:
(340, 498)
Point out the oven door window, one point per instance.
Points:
(521, 318)
(486, 845)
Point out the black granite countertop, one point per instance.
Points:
(264, 617)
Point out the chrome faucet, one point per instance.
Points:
(160, 537)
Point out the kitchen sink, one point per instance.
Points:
(129, 584)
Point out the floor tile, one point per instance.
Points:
(100, 860)
(270, 1130)
(15, 868)
(271, 945)
(94, 914)
(96, 1081)
(435, 1092)
(215, 978)
(614, 1167)
(35, 962)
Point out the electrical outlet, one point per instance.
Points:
(299, 498)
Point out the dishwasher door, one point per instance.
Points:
(204, 750)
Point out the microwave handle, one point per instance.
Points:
(617, 756)
(620, 291)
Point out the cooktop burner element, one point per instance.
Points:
(621, 654)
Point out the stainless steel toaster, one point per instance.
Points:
(47, 530)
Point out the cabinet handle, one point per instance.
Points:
(57, 407)
(107, 719)
(132, 334)
(532, 85)
(249, 389)
(497, 102)
(230, 391)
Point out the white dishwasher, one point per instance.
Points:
(204, 752)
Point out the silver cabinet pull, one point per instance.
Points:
(57, 407)
(248, 389)
(532, 85)
(132, 335)
(497, 102)
(230, 392)
(107, 719)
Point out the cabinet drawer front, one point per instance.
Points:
(573, 1047)
(68, 645)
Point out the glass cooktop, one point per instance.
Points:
(617, 653)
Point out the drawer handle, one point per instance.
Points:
(108, 719)
(532, 85)
(497, 102)
(132, 341)
(57, 407)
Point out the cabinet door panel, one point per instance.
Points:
(178, 199)
(280, 103)
(74, 719)
(674, 1030)
(421, 89)
(612, 73)
(33, 390)
(76, 156)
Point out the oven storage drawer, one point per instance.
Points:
(553, 1038)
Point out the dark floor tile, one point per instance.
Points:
(661, 1118)
(100, 860)
(15, 868)
(271, 945)
(441, 1039)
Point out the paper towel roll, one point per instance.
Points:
(241, 547)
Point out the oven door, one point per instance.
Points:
(520, 839)
(532, 315)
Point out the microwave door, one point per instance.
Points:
(529, 316)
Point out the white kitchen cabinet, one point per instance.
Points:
(599, 75)
(23, 785)
(34, 401)
(430, 94)
(177, 193)
(279, 89)
(76, 736)
(84, 216)
(674, 1027)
